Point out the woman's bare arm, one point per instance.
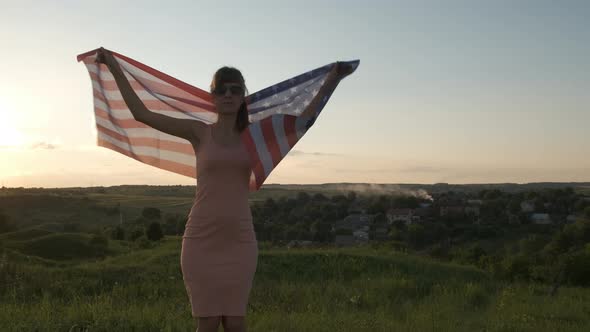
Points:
(338, 71)
(184, 128)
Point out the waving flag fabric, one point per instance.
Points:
(274, 113)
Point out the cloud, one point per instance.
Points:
(302, 153)
(43, 145)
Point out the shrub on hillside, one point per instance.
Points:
(118, 233)
(517, 268)
(62, 246)
(99, 240)
(136, 233)
(71, 227)
(5, 224)
(142, 242)
(151, 213)
(577, 268)
(343, 231)
(154, 231)
(100, 244)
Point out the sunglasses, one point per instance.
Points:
(235, 90)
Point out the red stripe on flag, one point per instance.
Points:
(111, 85)
(167, 78)
(290, 131)
(255, 163)
(172, 105)
(149, 85)
(157, 162)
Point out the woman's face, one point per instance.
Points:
(228, 97)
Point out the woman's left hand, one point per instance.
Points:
(342, 69)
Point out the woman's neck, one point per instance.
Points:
(226, 124)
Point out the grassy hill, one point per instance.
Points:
(25, 234)
(360, 289)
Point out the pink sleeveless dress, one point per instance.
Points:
(219, 248)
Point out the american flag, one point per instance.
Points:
(275, 125)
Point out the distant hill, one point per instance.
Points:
(111, 205)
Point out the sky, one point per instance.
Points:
(446, 91)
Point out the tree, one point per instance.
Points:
(379, 204)
(5, 224)
(492, 194)
(319, 197)
(322, 231)
(416, 235)
(406, 202)
(270, 207)
(560, 243)
(303, 197)
(531, 245)
(99, 240)
(151, 213)
(577, 268)
(136, 233)
(351, 196)
(171, 224)
(154, 231)
(180, 225)
(514, 206)
(118, 233)
(100, 243)
(72, 227)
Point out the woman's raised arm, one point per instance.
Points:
(184, 128)
(338, 72)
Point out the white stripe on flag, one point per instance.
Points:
(177, 157)
(261, 148)
(278, 123)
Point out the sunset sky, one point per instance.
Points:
(446, 91)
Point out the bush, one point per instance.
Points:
(71, 227)
(577, 268)
(136, 233)
(142, 242)
(5, 224)
(154, 231)
(151, 213)
(343, 231)
(99, 240)
(99, 243)
(438, 251)
(118, 233)
(517, 268)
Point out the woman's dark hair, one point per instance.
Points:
(232, 75)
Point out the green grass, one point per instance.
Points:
(25, 234)
(352, 289)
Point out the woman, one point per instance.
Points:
(219, 247)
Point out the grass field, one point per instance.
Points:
(360, 289)
(51, 280)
